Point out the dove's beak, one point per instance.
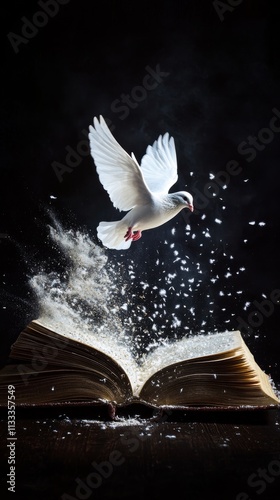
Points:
(190, 207)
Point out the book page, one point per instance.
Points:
(165, 355)
(106, 343)
(186, 349)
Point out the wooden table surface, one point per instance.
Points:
(79, 454)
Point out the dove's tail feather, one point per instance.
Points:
(112, 235)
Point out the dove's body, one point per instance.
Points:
(128, 186)
(140, 218)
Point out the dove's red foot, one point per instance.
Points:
(130, 235)
(137, 235)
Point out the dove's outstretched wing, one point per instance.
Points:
(159, 165)
(119, 173)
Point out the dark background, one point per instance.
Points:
(222, 84)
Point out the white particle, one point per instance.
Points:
(144, 285)
(262, 223)
(246, 180)
(203, 216)
(176, 322)
(211, 176)
(218, 221)
(252, 223)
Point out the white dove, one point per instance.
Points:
(142, 191)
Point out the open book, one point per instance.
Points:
(215, 370)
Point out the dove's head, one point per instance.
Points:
(184, 199)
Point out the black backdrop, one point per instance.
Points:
(214, 81)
